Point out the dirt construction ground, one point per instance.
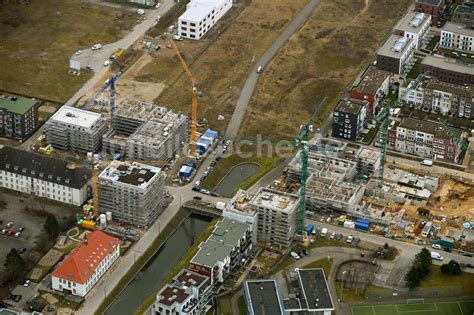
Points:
(321, 59)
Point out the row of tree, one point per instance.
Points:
(420, 269)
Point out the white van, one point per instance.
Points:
(436, 256)
(427, 162)
(259, 69)
(324, 231)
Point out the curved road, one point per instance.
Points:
(251, 83)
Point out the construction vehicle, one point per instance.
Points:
(194, 93)
(302, 141)
(110, 83)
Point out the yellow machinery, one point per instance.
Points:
(87, 224)
(194, 104)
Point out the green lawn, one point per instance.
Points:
(242, 307)
(431, 45)
(440, 308)
(224, 305)
(436, 279)
(415, 71)
(323, 263)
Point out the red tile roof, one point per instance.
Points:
(80, 264)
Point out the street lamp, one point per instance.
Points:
(342, 287)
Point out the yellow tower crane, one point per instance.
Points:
(194, 104)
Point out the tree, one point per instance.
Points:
(51, 226)
(14, 264)
(413, 277)
(424, 259)
(451, 268)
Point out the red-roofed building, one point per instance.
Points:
(84, 266)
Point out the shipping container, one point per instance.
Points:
(446, 242)
(309, 228)
(185, 171)
(362, 225)
(211, 133)
(349, 224)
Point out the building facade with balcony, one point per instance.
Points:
(449, 99)
(349, 119)
(373, 87)
(397, 55)
(428, 139)
(457, 37)
(414, 25)
(411, 93)
(18, 116)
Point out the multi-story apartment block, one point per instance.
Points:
(189, 294)
(18, 116)
(86, 264)
(396, 55)
(411, 92)
(349, 119)
(431, 7)
(132, 191)
(414, 25)
(75, 129)
(428, 139)
(263, 297)
(277, 216)
(42, 176)
(448, 71)
(464, 15)
(239, 209)
(373, 87)
(446, 98)
(223, 251)
(200, 16)
(457, 37)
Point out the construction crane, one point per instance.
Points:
(382, 117)
(462, 141)
(110, 83)
(302, 141)
(194, 104)
(95, 190)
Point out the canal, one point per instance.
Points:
(236, 176)
(160, 265)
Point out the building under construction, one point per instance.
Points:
(75, 129)
(133, 192)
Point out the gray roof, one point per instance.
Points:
(371, 81)
(315, 289)
(395, 46)
(431, 2)
(464, 9)
(42, 167)
(464, 90)
(220, 244)
(442, 63)
(436, 129)
(458, 29)
(4, 311)
(412, 22)
(351, 106)
(264, 298)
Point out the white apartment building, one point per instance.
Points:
(86, 264)
(457, 37)
(238, 208)
(412, 93)
(42, 176)
(200, 16)
(397, 55)
(415, 26)
(446, 98)
(75, 129)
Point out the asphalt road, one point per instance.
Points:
(251, 82)
(96, 58)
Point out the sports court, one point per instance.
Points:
(417, 307)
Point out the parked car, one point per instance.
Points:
(21, 229)
(15, 297)
(339, 237)
(332, 236)
(205, 192)
(197, 197)
(436, 246)
(3, 231)
(17, 234)
(349, 239)
(21, 250)
(96, 47)
(469, 265)
(305, 252)
(89, 67)
(467, 254)
(25, 283)
(157, 5)
(78, 52)
(107, 63)
(9, 225)
(195, 188)
(215, 194)
(295, 255)
(10, 233)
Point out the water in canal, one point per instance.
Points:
(160, 265)
(237, 175)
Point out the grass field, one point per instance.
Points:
(37, 40)
(439, 308)
(321, 59)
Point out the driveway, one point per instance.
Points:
(251, 83)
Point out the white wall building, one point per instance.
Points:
(200, 16)
(86, 264)
(415, 26)
(412, 93)
(457, 37)
(238, 208)
(42, 176)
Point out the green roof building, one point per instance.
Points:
(18, 116)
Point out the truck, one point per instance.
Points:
(446, 243)
(436, 256)
(309, 228)
(324, 231)
(427, 162)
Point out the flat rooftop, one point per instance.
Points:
(371, 81)
(275, 200)
(437, 129)
(199, 9)
(241, 202)
(156, 130)
(395, 46)
(138, 110)
(220, 244)
(16, 104)
(131, 173)
(412, 22)
(188, 278)
(445, 64)
(463, 8)
(464, 90)
(264, 297)
(350, 106)
(315, 289)
(170, 295)
(458, 29)
(75, 116)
